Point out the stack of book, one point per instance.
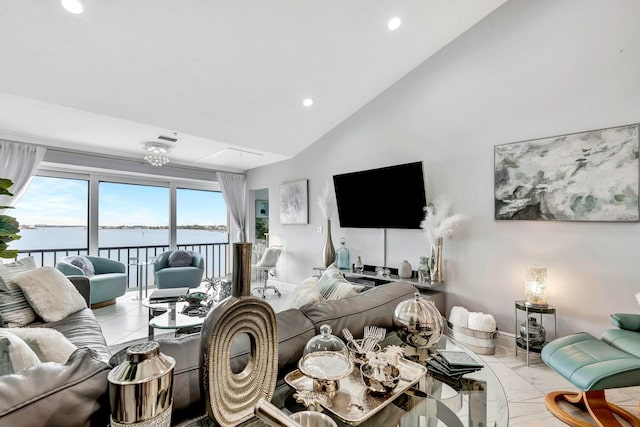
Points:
(167, 295)
(453, 364)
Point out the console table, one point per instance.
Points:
(369, 279)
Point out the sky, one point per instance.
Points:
(60, 201)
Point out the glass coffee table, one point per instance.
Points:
(167, 315)
(477, 399)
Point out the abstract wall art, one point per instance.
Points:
(294, 203)
(586, 176)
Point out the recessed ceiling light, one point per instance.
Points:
(307, 102)
(73, 6)
(394, 23)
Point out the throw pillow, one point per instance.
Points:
(15, 354)
(83, 263)
(14, 309)
(48, 344)
(50, 293)
(334, 286)
(180, 259)
(305, 293)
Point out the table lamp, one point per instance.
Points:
(535, 286)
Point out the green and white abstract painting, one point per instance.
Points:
(586, 176)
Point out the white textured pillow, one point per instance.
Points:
(20, 356)
(334, 286)
(48, 344)
(14, 308)
(50, 293)
(305, 293)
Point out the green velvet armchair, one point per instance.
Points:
(170, 273)
(108, 281)
(594, 365)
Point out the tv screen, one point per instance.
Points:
(389, 197)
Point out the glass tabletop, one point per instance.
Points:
(175, 320)
(477, 399)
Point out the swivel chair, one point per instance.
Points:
(266, 265)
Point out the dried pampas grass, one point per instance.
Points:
(437, 222)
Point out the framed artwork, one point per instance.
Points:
(586, 176)
(294, 202)
(262, 209)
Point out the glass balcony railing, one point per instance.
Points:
(214, 254)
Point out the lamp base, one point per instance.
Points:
(535, 305)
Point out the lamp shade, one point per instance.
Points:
(535, 285)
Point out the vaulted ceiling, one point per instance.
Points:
(227, 77)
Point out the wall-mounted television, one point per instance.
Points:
(388, 197)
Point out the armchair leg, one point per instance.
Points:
(601, 411)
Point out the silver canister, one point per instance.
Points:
(141, 387)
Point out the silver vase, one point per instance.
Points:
(230, 397)
(435, 263)
(328, 252)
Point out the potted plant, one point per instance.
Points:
(9, 226)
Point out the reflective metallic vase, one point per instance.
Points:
(141, 387)
(537, 334)
(419, 321)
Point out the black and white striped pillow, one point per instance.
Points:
(14, 308)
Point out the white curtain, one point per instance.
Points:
(19, 163)
(234, 193)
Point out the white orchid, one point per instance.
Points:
(437, 222)
(326, 201)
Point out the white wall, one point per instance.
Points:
(532, 69)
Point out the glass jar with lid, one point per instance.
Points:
(326, 360)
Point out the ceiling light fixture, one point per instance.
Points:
(307, 102)
(73, 6)
(394, 23)
(157, 152)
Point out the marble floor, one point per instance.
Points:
(524, 386)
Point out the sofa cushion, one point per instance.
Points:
(15, 354)
(14, 308)
(83, 263)
(334, 286)
(180, 258)
(48, 344)
(372, 307)
(50, 394)
(305, 293)
(50, 293)
(82, 329)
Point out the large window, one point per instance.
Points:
(132, 215)
(53, 214)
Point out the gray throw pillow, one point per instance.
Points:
(180, 259)
(14, 309)
(83, 263)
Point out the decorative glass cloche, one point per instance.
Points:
(419, 321)
(325, 359)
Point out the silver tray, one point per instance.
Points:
(353, 403)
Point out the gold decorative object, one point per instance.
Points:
(230, 397)
(140, 388)
(535, 286)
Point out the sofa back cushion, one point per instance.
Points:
(15, 311)
(371, 307)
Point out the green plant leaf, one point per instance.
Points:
(7, 207)
(9, 254)
(4, 186)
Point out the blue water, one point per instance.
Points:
(76, 237)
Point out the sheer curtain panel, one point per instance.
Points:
(234, 193)
(19, 163)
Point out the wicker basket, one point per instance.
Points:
(480, 342)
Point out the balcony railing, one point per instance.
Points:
(214, 254)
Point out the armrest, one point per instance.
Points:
(83, 286)
(106, 265)
(68, 269)
(627, 321)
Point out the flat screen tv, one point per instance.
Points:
(389, 197)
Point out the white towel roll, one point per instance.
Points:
(459, 316)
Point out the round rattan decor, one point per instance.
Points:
(230, 398)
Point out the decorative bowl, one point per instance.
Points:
(359, 357)
(377, 385)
